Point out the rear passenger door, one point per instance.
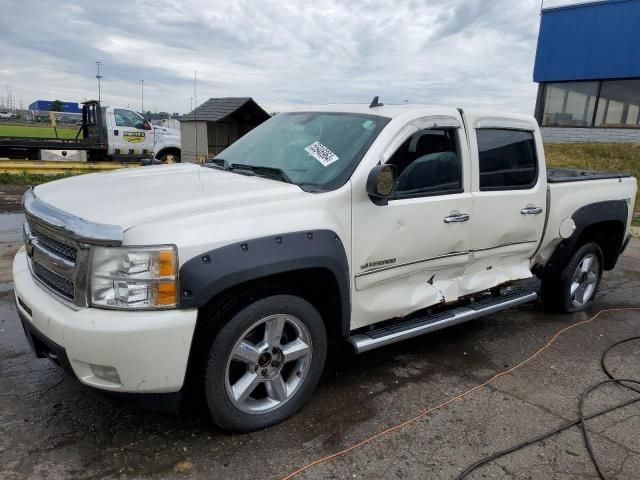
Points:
(509, 192)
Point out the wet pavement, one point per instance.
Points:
(53, 427)
(10, 241)
(11, 197)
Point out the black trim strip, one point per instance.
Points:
(391, 267)
(504, 245)
(446, 255)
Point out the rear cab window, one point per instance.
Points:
(508, 159)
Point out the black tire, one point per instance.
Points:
(557, 292)
(227, 412)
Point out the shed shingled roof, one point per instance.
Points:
(216, 109)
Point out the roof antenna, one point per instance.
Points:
(375, 103)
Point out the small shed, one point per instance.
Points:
(216, 124)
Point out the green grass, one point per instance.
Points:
(26, 178)
(617, 157)
(36, 131)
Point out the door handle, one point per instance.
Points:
(457, 217)
(531, 210)
(115, 132)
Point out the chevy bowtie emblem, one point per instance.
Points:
(29, 247)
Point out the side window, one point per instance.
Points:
(508, 159)
(127, 118)
(428, 163)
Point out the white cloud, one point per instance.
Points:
(462, 52)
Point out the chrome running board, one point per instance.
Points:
(363, 342)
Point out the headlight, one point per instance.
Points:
(134, 277)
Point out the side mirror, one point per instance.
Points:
(146, 125)
(380, 183)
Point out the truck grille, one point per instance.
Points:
(54, 246)
(54, 281)
(58, 247)
(55, 260)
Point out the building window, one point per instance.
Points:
(569, 104)
(619, 104)
(607, 103)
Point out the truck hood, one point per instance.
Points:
(130, 197)
(166, 131)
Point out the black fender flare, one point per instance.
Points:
(212, 272)
(584, 217)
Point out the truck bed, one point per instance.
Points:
(564, 175)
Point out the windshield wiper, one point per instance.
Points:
(218, 163)
(271, 173)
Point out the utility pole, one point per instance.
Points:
(10, 102)
(98, 76)
(191, 105)
(195, 114)
(142, 96)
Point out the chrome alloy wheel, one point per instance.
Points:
(268, 364)
(585, 278)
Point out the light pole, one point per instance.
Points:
(98, 76)
(142, 96)
(191, 105)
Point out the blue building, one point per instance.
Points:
(588, 71)
(45, 106)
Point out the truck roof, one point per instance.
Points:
(411, 110)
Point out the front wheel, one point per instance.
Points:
(578, 282)
(264, 363)
(169, 158)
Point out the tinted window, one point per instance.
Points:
(507, 159)
(427, 163)
(127, 118)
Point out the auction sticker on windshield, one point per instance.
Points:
(321, 153)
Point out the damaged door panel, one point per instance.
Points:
(422, 233)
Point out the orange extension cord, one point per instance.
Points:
(458, 397)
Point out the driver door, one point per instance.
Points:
(130, 137)
(412, 252)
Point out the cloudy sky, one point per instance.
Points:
(281, 52)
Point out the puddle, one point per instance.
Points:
(11, 227)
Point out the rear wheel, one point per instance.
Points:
(264, 363)
(575, 288)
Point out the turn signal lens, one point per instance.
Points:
(166, 263)
(166, 294)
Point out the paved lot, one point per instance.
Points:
(53, 427)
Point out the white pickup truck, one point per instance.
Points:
(105, 133)
(361, 224)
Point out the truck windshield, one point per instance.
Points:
(316, 150)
